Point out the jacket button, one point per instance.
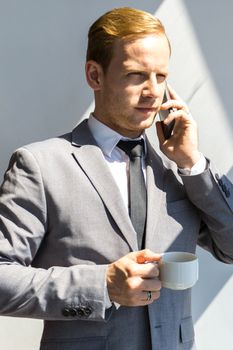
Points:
(66, 312)
(224, 188)
(83, 311)
(73, 312)
(87, 311)
(80, 311)
(221, 183)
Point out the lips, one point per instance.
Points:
(147, 109)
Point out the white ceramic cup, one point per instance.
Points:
(178, 270)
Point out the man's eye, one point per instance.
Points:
(160, 78)
(137, 75)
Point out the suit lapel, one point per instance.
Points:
(155, 194)
(90, 158)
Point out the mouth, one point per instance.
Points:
(147, 110)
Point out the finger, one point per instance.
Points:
(179, 114)
(146, 255)
(153, 284)
(148, 270)
(174, 104)
(150, 297)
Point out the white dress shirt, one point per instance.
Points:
(117, 160)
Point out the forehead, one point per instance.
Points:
(142, 52)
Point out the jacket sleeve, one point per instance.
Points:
(75, 292)
(212, 194)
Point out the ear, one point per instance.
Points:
(94, 73)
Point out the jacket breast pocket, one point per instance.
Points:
(87, 343)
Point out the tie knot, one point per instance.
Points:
(132, 148)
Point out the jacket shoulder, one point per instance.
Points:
(50, 144)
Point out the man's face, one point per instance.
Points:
(131, 91)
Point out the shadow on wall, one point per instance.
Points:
(218, 52)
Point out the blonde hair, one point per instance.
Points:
(119, 23)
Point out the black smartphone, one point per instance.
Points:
(167, 129)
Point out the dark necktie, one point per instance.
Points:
(137, 188)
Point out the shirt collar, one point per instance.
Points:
(106, 138)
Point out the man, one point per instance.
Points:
(69, 248)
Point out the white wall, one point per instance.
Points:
(43, 93)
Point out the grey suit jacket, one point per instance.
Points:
(62, 220)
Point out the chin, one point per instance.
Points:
(138, 130)
(147, 123)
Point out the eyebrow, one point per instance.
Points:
(139, 68)
(136, 66)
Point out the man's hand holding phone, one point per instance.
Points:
(177, 131)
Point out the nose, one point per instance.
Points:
(151, 87)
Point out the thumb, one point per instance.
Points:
(146, 255)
